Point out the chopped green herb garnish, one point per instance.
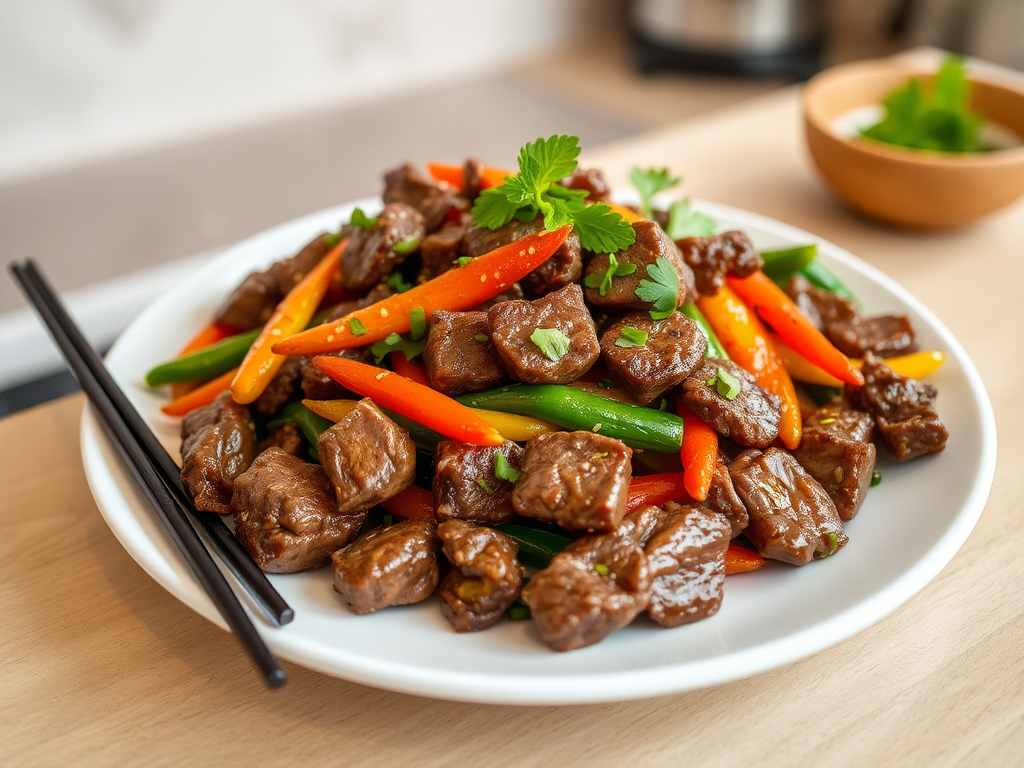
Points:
(648, 183)
(684, 221)
(407, 245)
(833, 542)
(605, 383)
(388, 520)
(482, 337)
(630, 337)
(603, 280)
(663, 405)
(827, 421)
(360, 219)
(397, 283)
(602, 569)
(483, 484)
(876, 478)
(356, 326)
(518, 611)
(417, 323)
(503, 470)
(663, 292)
(600, 455)
(725, 384)
(395, 343)
(551, 342)
(463, 260)
(331, 239)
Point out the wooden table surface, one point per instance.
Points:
(98, 665)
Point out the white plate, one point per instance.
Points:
(908, 529)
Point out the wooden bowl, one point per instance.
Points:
(912, 187)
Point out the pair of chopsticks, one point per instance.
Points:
(160, 479)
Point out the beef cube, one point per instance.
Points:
(512, 293)
(723, 499)
(712, 257)
(884, 335)
(317, 385)
(472, 178)
(592, 181)
(465, 486)
(371, 252)
(397, 565)
(792, 518)
(286, 516)
(576, 479)
(686, 555)
(436, 202)
(750, 419)
(377, 293)
(639, 524)
(368, 458)
(281, 388)
(485, 577)
(251, 304)
(674, 347)
(459, 356)
(290, 272)
(820, 307)
(217, 446)
(620, 296)
(287, 437)
(597, 585)
(514, 323)
(441, 249)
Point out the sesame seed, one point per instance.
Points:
(483, 278)
(597, 427)
(532, 250)
(383, 312)
(381, 375)
(331, 337)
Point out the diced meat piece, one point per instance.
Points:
(485, 577)
(441, 249)
(576, 479)
(686, 555)
(217, 446)
(792, 519)
(674, 347)
(723, 499)
(371, 254)
(620, 296)
(472, 176)
(465, 486)
(397, 565)
(377, 293)
(317, 385)
(597, 585)
(281, 388)
(290, 272)
(835, 449)
(820, 307)
(639, 525)
(750, 419)
(512, 293)
(251, 304)
(591, 180)
(884, 335)
(436, 202)
(287, 437)
(712, 257)
(368, 457)
(459, 356)
(513, 323)
(286, 516)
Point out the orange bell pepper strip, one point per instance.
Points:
(209, 334)
(916, 365)
(780, 312)
(202, 395)
(293, 314)
(457, 289)
(452, 174)
(741, 560)
(411, 502)
(699, 453)
(655, 490)
(628, 214)
(411, 369)
(746, 341)
(422, 404)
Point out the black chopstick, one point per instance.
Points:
(145, 470)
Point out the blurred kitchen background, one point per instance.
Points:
(138, 137)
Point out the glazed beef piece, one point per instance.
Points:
(465, 486)
(512, 323)
(371, 252)
(317, 385)
(674, 347)
(290, 272)
(286, 516)
(836, 450)
(368, 458)
(792, 518)
(377, 293)
(592, 181)
(576, 479)
(397, 565)
(723, 499)
(512, 293)
(287, 437)
(441, 249)
(485, 576)
(281, 388)
(472, 177)
(459, 356)
(620, 296)
(904, 408)
(711, 258)
(639, 525)
(884, 335)
(217, 446)
(597, 585)
(436, 202)
(686, 555)
(819, 306)
(750, 419)
(251, 304)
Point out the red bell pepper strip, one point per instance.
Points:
(699, 453)
(209, 334)
(457, 289)
(741, 560)
(655, 490)
(411, 369)
(405, 397)
(411, 502)
(452, 174)
(200, 396)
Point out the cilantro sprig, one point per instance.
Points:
(603, 280)
(649, 182)
(396, 343)
(630, 337)
(662, 290)
(684, 221)
(360, 219)
(503, 470)
(551, 342)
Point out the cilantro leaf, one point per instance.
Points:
(397, 283)
(601, 230)
(630, 337)
(360, 219)
(663, 292)
(503, 470)
(356, 326)
(603, 280)
(684, 221)
(483, 484)
(548, 160)
(725, 384)
(408, 245)
(551, 342)
(463, 260)
(493, 209)
(331, 239)
(395, 343)
(417, 323)
(648, 183)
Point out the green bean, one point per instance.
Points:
(783, 262)
(715, 348)
(537, 547)
(204, 363)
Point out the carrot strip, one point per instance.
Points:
(411, 502)
(293, 314)
(699, 453)
(411, 369)
(422, 404)
(628, 214)
(452, 174)
(457, 289)
(208, 334)
(200, 396)
(915, 365)
(656, 490)
(741, 560)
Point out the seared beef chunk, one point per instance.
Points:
(598, 584)
(371, 255)
(791, 517)
(459, 356)
(377, 293)
(512, 324)
(512, 293)
(591, 180)
(441, 249)
(317, 385)
(562, 268)
(576, 479)
(712, 257)
(836, 451)
(217, 446)
(396, 565)
(723, 499)
(435, 201)
(905, 409)
(885, 335)
(286, 516)
(287, 437)
(368, 457)
(686, 554)
(472, 175)
(251, 304)
(674, 347)
(819, 306)
(281, 388)
(484, 579)
(290, 272)
(465, 486)
(639, 525)
(749, 419)
(651, 243)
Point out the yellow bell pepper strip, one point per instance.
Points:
(452, 174)
(200, 396)
(699, 453)
(780, 312)
(746, 341)
(457, 289)
(294, 312)
(916, 365)
(422, 404)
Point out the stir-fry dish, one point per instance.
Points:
(506, 390)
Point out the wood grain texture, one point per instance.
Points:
(99, 666)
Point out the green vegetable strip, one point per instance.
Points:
(821, 394)
(311, 425)
(824, 278)
(535, 546)
(204, 363)
(715, 348)
(577, 409)
(784, 262)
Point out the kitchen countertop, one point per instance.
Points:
(99, 665)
